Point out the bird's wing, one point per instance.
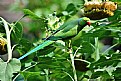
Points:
(61, 35)
(70, 25)
(67, 26)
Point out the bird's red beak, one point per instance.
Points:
(88, 23)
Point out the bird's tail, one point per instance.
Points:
(41, 46)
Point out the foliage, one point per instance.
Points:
(7, 69)
(55, 60)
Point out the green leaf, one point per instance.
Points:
(7, 69)
(17, 32)
(46, 50)
(24, 46)
(97, 74)
(117, 1)
(105, 61)
(2, 34)
(29, 13)
(87, 45)
(71, 9)
(33, 76)
(116, 15)
(110, 69)
(117, 74)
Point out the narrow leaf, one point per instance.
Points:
(29, 13)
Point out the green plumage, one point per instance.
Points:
(67, 30)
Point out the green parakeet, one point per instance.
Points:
(67, 30)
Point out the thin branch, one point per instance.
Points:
(25, 70)
(8, 39)
(47, 73)
(72, 60)
(69, 75)
(97, 55)
(19, 19)
(77, 50)
(74, 70)
(15, 23)
(14, 46)
(110, 48)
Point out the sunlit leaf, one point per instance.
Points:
(17, 32)
(7, 69)
(29, 13)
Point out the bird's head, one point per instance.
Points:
(84, 21)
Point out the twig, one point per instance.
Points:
(72, 61)
(47, 73)
(69, 75)
(25, 70)
(15, 23)
(8, 39)
(14, 46)
(110, 48)
(97, 55)
(74, 70)
(77, 50)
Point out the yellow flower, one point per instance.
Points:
(3, 42)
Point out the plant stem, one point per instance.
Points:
(69, 75)
(15, 23)
(25, 70)
(47, 73)
(19, 19)
(8, 39)
(110, 48)
(77, 50)
(72, 61)
(97, 55)
(74, 70)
